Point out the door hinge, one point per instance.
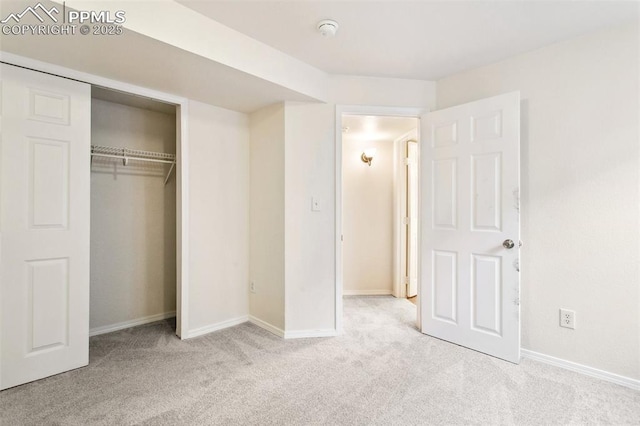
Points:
(406, 220)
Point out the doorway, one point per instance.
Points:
(379, 178)
(468, 227)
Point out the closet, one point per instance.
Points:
(87, 217)
(133, 211)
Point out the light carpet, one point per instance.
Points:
(382, 371)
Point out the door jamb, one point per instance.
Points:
(401, 240)
(182, 165)
(359, 110)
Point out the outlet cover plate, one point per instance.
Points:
(568, 318)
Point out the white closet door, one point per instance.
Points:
(44, 225)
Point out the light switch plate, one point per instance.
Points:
(315, 204)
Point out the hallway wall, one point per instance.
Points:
(367, 217)
(218, 217)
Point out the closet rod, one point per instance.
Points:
(126, 157)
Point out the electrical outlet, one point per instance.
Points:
(252, 287)
(567, 318)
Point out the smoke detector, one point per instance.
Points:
(328, 27)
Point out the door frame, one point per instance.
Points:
(401, 237)
(341, 110)
(182, 165)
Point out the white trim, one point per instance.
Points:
(301, 334)
(265, 325)
(582, 369)
(215, 327)
(419, 294)
(338, 221)
(182, 220)
(367, 293)
(128, 324)
(182, 170)
(357, 110)
(400, 211)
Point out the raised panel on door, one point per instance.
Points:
(48, 303)
(470, 171)
(486, 187)
(444, 134)
(486, 126)
(44, 223)
(486, 294)
(444, 190)
(49, 107)
(445, 286)
(48, 183)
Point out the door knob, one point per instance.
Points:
(508, 244)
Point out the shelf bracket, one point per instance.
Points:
(169, 174)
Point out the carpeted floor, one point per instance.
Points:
(381, 371)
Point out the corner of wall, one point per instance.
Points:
(267, 216)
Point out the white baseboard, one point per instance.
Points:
(367, 293)
(297, 334)
(128, 324)
(300, 334)
(582, 369)
(200, 331)
(265, 325)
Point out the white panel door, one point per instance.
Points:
(44, 225)
(470, 225)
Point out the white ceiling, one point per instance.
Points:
(366, 128)
(423, 40)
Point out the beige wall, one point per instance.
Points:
(309, 261)
(133, 225)
(218, 215)
(367, 218)
(579, 192)
(267, 216)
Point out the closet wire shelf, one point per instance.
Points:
(126, 154)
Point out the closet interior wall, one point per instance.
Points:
(133, 214)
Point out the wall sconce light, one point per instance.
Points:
(368, 155)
